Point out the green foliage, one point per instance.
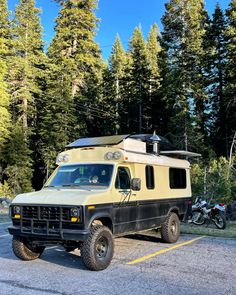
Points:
(25, 65)
(6, 190)
(4, 51)
(181, 83)
(73, 74)
(19, 164)
(230, 91)
(213, 180)
(184, 29)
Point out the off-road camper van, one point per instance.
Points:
(102, 188)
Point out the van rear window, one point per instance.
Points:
(177, 178)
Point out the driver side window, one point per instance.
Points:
(122, 178)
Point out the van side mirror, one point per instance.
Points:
(135, 184)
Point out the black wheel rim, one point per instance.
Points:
(101, 247)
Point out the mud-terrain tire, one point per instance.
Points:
(170, 229)
(97, 251)
(24, 250)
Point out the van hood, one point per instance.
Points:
(54, 196)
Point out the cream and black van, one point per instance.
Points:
(103, 187)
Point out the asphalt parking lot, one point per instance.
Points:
(141, 265)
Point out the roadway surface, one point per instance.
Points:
(141, 265)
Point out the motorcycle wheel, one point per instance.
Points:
(220, 220)
(198, 218)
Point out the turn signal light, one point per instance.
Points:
(17, 216)
(74, 219)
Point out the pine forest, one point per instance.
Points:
(179, 81)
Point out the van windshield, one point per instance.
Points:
(82, 175)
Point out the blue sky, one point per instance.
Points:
(117, 16)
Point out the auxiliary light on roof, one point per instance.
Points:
(113, 156)
(62, 158)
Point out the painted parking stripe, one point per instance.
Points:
(141, 259)
(5, 223)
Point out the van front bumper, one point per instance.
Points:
(62, 235)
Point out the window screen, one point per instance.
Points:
(177, 178)
(149, 177)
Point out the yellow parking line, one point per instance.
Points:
(164, 251)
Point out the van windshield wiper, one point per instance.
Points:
(70, 185)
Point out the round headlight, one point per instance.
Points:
(109, 156)
(16, 210)
(74, 212)
(117, 155)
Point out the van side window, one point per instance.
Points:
(149, 171)
(177, 178)
(122, 178)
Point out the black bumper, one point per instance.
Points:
(64, 235)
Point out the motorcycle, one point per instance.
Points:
(202, 212)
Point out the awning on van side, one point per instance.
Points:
(181, 153)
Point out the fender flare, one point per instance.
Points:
(99, 216)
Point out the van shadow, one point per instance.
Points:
(145, 237)
(60, 257)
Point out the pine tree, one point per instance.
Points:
(114, 88)
(73, 77)
(4, 52)
(73, 46)
(19, 163)
(25, 66)
(230, 100)
(155, 106)
(184, 29)
(215, 60)
(25, 72)
(140, 73)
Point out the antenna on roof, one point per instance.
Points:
(156, 143)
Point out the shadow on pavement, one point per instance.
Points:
(145, 237)
(60, 257)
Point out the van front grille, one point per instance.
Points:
(46, 213)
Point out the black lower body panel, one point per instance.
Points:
(63, 235)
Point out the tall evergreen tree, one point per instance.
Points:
(230, 100)
(4, 52)
(155, 106)
(26, 63)
(74, 71)
(114, 88)
(183, 33)
(25, 71)
(17, 154)
(140, 73)
(216, 59)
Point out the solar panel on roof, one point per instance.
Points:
(97, 141)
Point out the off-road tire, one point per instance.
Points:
(97, 251)
(200, 221)
(24, 251)
(170, 229)
(221, 225)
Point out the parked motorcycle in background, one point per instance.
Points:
(202, 212)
